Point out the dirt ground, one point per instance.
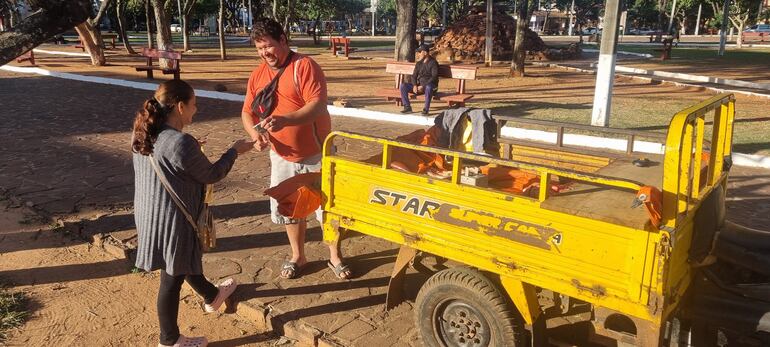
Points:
(547, 93)
(81, 296)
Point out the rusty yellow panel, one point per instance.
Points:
(594, 261)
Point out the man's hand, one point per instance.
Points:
(261, 141)
(273, 123)
(419, 89)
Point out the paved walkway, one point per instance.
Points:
(67, 155)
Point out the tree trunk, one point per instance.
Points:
(148, 20)
(164, 31)
(739, 42)
(221, 23)
(275, 9)
(519, 53)
(185, 35)
(93, 27)
(54, 17)
(88, 37)
(186, 12)
(119, 7)
(288, 18)
(406, 24)
(315, 34)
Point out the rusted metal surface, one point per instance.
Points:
(396, 284)
(643, 333)
(490, 224)
(595, 290)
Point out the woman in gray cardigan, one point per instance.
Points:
(167, 241)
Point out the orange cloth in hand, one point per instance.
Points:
(298, 196)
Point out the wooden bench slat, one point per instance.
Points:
(151, 54)
(456, 72)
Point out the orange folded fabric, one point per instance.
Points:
(298, 196)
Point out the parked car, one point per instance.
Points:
(176, 28)
(430, 31)
(591, 31)
(759, 28)
(641, 31)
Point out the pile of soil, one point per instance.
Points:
(465, 39)
(572, 51)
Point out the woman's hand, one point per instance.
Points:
(243, 146)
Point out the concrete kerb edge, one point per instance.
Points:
(739, 159)
(267, 317)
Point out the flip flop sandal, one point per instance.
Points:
(291, 267)
(339, 269)
(226, 288)
(184, 341)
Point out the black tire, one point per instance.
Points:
(461, 307)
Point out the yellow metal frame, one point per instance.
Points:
(639, 273)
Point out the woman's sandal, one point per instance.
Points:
(291, 267)
(339, 269)
(226, 288)
(184, 341)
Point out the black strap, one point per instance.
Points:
(268, 92)
(173, 194)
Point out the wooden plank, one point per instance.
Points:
(154, 53)
(400, 68)
(445, 71)
(607, 204)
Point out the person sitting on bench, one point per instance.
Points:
(424, 80)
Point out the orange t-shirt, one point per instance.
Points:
(297, 142)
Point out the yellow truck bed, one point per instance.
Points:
(586, 243)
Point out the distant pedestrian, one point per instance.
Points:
(163, 156)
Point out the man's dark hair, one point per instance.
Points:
(267, 27)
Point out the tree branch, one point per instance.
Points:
(53, 17)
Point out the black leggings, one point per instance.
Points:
(168, 301)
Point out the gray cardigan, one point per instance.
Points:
(166, 240)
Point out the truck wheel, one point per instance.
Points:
(460, 307)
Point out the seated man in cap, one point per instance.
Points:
(424, 80)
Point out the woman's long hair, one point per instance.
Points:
(154, 113)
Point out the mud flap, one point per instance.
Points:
(396, 283)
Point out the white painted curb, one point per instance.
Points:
(643, 55)
(694, 78)
(74, 54)
(739, 159)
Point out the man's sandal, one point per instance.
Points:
(226, 288)
(291, 267)
(184, 341)
(340, 269)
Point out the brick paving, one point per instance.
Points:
(64, 150)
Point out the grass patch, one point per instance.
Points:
(733, 57)
(12, 311)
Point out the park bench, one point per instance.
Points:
(29, 56)
(656, 36)
(151, 54)
(665, 51)
(456, 72)
(343, 42)
(755, 36)
(111, 37)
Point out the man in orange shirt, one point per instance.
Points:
(293, 123)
